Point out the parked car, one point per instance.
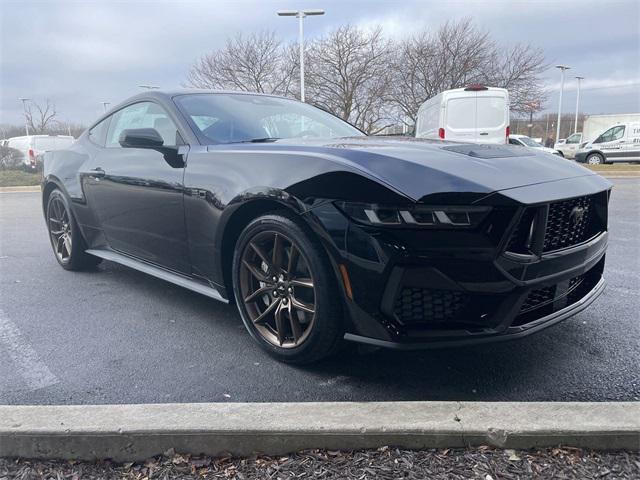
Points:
(569, 146)
(30, 146)
(527, 142)
(620, 143)
(320, 233)
(476, 114)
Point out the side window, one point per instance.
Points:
(142, 115)
(513, 141)
(98, 134)
(618, 133)
(614, 133)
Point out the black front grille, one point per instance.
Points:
(568, 223)
(414, 304)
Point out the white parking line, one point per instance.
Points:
(27, 362)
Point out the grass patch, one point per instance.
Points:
(18, 178)
(629, 167)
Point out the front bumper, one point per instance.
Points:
(416, 289)
(510, 333)
(581, 157)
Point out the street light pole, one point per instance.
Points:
(575, 127)
(104, 105)
(562, 69)
(24, 109)
(300, 14)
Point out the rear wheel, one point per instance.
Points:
(285, 290)
(66, 240)
(595, 159)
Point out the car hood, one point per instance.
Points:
(419, 167)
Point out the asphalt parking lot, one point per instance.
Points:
(118, 336)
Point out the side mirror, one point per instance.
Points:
(561, 141)
(140, 138)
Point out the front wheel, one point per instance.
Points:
(66, 240)
(285, 290)
(595, 159)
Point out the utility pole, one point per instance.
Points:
(300, 14)
(562, 69)
(575, 127)
(24, 109)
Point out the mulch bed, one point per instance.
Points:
(384, 463)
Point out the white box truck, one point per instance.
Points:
(475, 114)
(593, 126)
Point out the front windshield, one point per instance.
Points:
(529, 142)
(234, 118)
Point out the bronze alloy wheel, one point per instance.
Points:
(59, 224)
(277, 289)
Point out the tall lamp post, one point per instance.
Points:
(575, 127)
(104, 105)
(562, 69)
(300, 14)
(24, 109)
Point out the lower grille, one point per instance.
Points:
(547, 300)
(415, 304)
(538, 298)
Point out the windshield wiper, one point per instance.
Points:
(259, 140)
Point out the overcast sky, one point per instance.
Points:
(81, 53)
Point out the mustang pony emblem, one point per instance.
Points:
(577, 215)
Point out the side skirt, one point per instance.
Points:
(159, 273)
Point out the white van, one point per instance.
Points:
(33, 145)
(476, 114)
(619, 143)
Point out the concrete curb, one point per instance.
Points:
(136, 432)
(25, 189)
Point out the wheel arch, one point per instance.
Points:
(233, 225)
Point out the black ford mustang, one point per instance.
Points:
(320, 233)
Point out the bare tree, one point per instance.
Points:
(348, 74)
(257, 63)
(459, 54)
(518, 70)
(453, 56)
(40, 118)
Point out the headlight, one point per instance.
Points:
(418, 215)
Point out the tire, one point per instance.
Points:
(66, 239)
(595, 159)
(285, 287)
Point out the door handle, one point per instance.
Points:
(97, 173)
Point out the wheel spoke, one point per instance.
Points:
(279, 323)
(302, 282)
(293, 259)
(296, 328)
(261, 276)
(56, 232)
(305, 307)
(277, 252)
(260, 253)
(67, 243)
(269, 309)
(55, 220)
(254, 296)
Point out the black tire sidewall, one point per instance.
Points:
(327, 328)
(78, 259)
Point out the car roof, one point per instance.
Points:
(517, 135)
